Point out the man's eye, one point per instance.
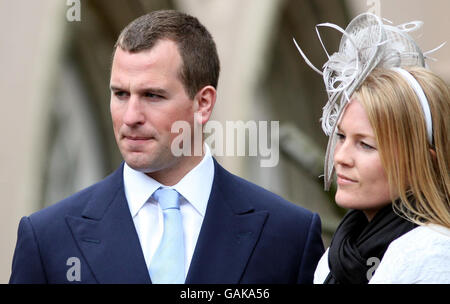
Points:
(120, 94)
(152, 96)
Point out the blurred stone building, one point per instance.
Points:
(56, 130)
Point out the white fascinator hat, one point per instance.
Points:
(367, 42)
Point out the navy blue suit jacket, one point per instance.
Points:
(249, 235)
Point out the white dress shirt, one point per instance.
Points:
(194, 187)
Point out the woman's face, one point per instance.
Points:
(361, 179)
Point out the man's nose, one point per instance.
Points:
(134, 114)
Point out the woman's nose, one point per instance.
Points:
(343, 154)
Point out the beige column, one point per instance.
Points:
(242, 31)
(31, 35)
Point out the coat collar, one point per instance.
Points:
(229, 233)
(106, 235)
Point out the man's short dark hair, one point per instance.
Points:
(200, 65)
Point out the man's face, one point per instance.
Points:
(147, 97)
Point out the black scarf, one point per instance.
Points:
(356, 240)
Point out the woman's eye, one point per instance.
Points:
(340, 136)
(367, 146)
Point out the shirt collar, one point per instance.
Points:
(138, 188)
(195, 186)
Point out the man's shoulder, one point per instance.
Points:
(262, 198)
(75, 203)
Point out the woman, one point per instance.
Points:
(416, 167)
(389, 144)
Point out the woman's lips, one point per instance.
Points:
(344, 180)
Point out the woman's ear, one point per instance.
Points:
(205, 99)
(433, 154)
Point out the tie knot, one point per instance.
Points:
(167, 198)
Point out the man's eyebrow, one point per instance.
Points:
(115, 88)
(158, 91)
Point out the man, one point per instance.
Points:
(165, 69)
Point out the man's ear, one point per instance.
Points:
(205, 99)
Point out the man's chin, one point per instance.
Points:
(139, 163)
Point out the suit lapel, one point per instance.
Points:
(107, 237)
(229, 233)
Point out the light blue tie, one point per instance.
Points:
(167, 265)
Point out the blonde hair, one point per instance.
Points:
(417, 171)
